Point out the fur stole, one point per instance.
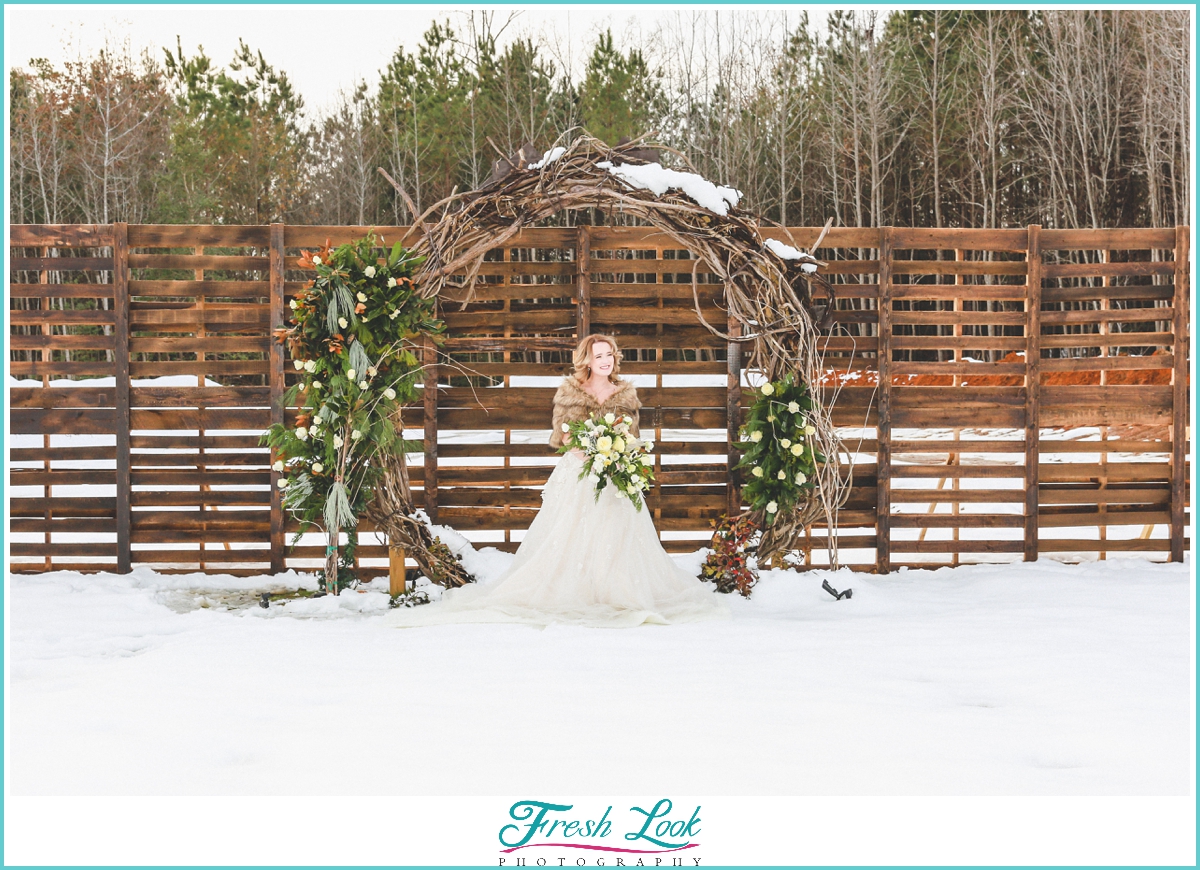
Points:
(573, 403)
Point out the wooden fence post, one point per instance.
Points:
(1033, 385)
(121, 371)
(733, 416)
(429, 379)
(883, 358)
(583, 279)
(1179, 392)
(276, 380)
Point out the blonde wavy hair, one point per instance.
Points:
(583, 357)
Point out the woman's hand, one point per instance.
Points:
(575, 451)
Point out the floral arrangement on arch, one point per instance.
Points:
(352, 338)
(781, 463)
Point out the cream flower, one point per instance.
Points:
(337, 441)
(610, 418)
(785, 443)
(317, 468)
(768, 389)
(294, 304)
(604, 444)
(316, 384)
(770, 418)
(362, 385)
(391, 283)
(281, 483)
(389, 393)
(278, 465)
(801, 478)
(647, 461)
(794, 407)
(298, 363)
(810, 430)
(756, 436)
(565, 427)
(782, 475)
(362, 297)
(302, 433)
(372, 371)
(649, 445)
(316, 261)
(355, 435)
(797, 449)
(370, 273)
(758, 472)
(342, 322)
(351, 374)
(310, 365)
(619, 444)
(772, 507)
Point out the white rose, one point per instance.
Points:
(772, 507)
(794, 407)
(619, 444)
(310, 365)
(342, 322)
(768, 389)
(810, 430)
(781, 476)
(302, 433)
(281, 483)
(390, 393)
(351, 374)
(317, 468)
(649, 446)
(337, 441)
(610, 418)
(362, 385)
(317, 417)
(758, 472)
(391, 282)
(801, 478)
(316, 261)
(566, 428)
(797, 449)
(770, 418)
(647, 461)
(303, 387)
(756, 436)
(316, 384)
(278, 465)
(370, 273)
(785, 443)
(355, 435)
(593, 479)
(298, 363)
(394, 314)
(604, 443)
(372, 371)
(362, 297)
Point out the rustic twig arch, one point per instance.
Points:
(768, 295)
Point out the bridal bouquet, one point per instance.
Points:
(614, 455)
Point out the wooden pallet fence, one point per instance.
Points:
(1002, 393)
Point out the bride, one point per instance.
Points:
(583, 561)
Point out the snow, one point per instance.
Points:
(162, 381)
(549, 157)
(1026, 679)
(787, 252)
(657, 179)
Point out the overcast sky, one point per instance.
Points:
(321, 48)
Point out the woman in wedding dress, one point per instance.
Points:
(583, 561)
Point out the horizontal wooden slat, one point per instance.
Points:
(238, 263)
(60, 235)
(1111, 240)
(60, 264)
(187, 236)
(60, 291)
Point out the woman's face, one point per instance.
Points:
(602, 359)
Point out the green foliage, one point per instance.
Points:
(619, 96)
(778, 458)
(352, 339)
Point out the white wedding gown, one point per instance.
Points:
(582, 562)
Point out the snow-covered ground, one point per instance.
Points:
(1028, 679)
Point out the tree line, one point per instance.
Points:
(941, 118)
